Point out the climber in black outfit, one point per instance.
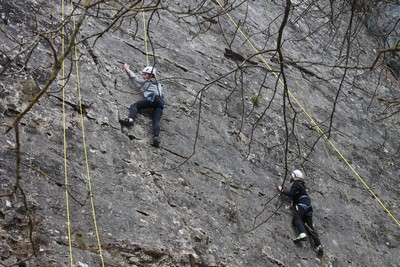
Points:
(303, 210)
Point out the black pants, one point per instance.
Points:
(150, 102)
(303, 215)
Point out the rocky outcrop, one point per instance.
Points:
(207, 196)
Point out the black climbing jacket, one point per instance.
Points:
(298, 193)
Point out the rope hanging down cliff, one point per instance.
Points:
(83, 140)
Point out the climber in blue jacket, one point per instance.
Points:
(153, 98)
(303, 210)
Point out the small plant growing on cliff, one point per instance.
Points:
(256, 99)
(117, 255)
(80, 241)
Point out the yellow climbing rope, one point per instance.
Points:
(83, 140)
(64, 136)
(145, 36)
(318, 129)
(84, 144)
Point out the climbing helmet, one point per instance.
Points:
(150, 70)
(297, 175)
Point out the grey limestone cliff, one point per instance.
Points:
(76, 190)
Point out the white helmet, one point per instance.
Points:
(297, 175)
(150, 70)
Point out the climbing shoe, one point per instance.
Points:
(126, 122)
(156, 141)
(301, 237)
(319, 250)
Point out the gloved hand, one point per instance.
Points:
(280, 189)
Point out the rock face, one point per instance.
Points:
(78, 191)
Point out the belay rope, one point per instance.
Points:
(83, 141)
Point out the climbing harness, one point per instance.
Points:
(304, 197)
(307, 208)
